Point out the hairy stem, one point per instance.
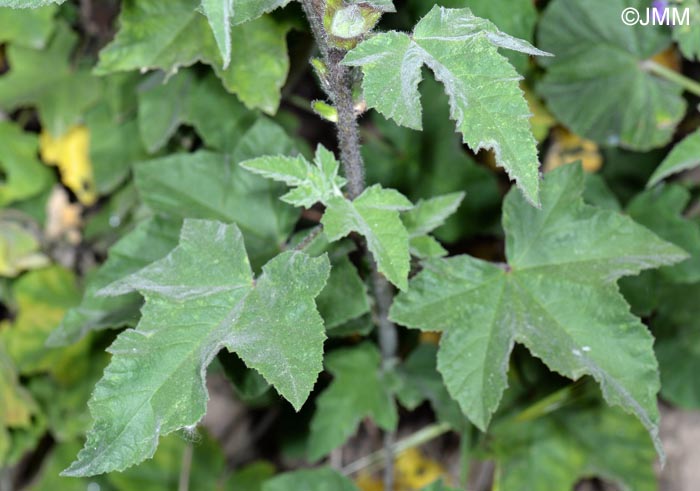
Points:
(339, 88)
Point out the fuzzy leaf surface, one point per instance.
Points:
(154, 384)
(374, 214)
(557, 296)
(485, 99)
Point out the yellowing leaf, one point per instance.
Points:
(568, 147)
(71, 153)
(63, 219)
(414, 470)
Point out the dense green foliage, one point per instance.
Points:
(174, 203)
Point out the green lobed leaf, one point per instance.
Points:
(358, 391)
(212, 186)
(155, 35)
(148, 242)
(597, 85)
(154, 384)
(677, 329)
(30, 28)
(420, 381)
(25, 175)
(433, 162)
(514, 17)
(485, 99)
(554, 452)
(557, 296)
(426, 216)
(43, 296)
(374, 214)
(45, 78)
(320, 479)
(661, 211)
(259, 63)
(684, 156)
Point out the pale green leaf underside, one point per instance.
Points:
(558, 298)
(357, 392)
(374, 214)
(684, 156)
(154, 384)
(597, 84)
(485, 97)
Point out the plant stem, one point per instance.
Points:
(339, 88)
(672, 76)
(412, 441)
(184, 484)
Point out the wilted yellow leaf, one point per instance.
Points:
(63, 219)
(568, 147)
(71, 153)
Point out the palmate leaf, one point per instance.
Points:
(168, 36)
(154, 384)
(485, 98)
(684, 156)
(374, 214)
(557, 296)
(597, 84)
(45, 78)
(554, 452)
(661, 211)
(357, 391)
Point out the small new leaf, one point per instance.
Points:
(154, 384)
(557, 296)
(374, 214)
(425, 217)
(485, 98)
